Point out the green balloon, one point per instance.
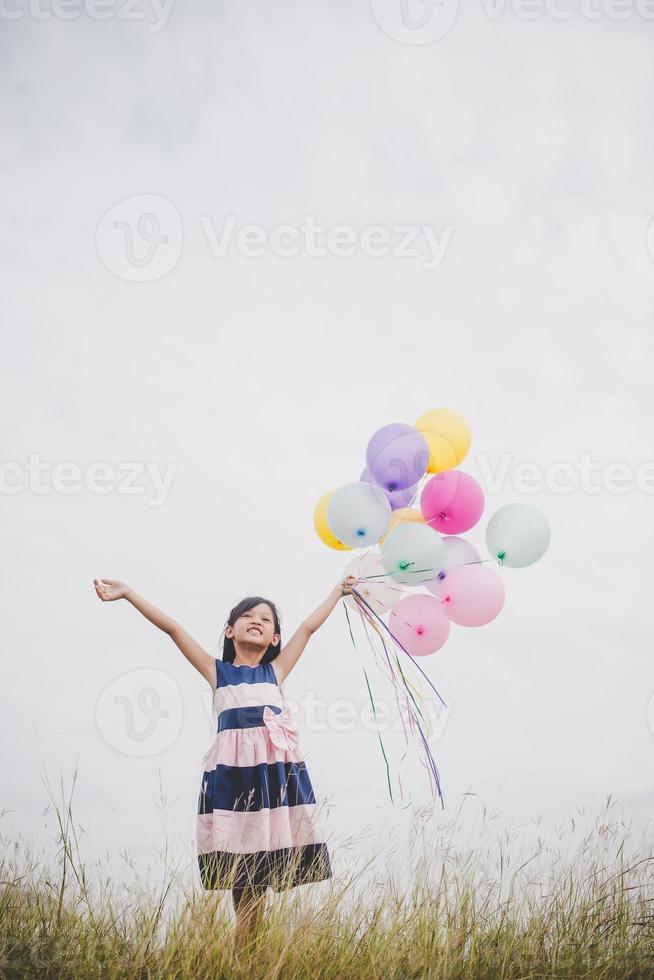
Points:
(413, 553)
(518, 535)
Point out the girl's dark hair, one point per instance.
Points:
(229, 653)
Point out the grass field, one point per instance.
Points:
(578, 907)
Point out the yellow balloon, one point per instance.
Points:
(404, 515)
(322, 527)
(448, 438)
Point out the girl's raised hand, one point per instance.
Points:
(348, 584)
(109, 589)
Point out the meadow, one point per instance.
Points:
(516, 903)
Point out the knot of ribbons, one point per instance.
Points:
(283, 731)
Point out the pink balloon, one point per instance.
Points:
(472, 595)
(419, 623)
(452, 502)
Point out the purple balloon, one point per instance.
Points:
(397, 498)
(397, 456)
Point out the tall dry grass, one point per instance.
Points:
(494, 904)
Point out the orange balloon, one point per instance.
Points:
(404, 515)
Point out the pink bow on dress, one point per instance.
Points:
(283, 731)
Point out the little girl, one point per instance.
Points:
(257, 820)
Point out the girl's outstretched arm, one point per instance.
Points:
(290, 654)
(109, 589)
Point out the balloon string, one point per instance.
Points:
(417, 571)
(392, 679)
(432, 763)
(390, 676)
(408, 685)
(387, 585)
(413, 626)
(381, 742)
(406, 682)
(412, 721)
(424, 764)
(395, 640)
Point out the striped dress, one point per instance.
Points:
(258, 822)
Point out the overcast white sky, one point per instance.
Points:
(526, 150)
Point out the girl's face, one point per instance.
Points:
(254, 630)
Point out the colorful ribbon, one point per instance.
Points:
(404, 689)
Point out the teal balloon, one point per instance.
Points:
(359, 514)
(413, 553)
(518, 535)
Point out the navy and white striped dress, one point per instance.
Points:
(258, 821)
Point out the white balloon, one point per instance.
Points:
(413, 553)
(380, 593)
(359, 514)
(520, 533)
(458, 551)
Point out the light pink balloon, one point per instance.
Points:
(458, 552)
(472, 595)
(419, 623)
(452, 502)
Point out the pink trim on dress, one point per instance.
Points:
(249, 831)
(246, 747)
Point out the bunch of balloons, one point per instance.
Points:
(412, 561)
